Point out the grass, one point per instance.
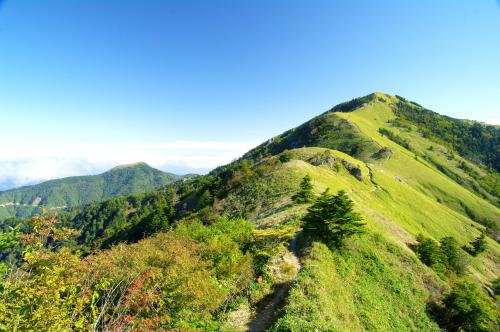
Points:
(420, 174)
(379, 285)
(375, 287)
(395, 202)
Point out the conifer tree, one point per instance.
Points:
(315, 221)
(468, 309)
(429, 252)
(305, 194)
(451, 253)
(333, 219)
(479, 244)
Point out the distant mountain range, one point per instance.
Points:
(79, 190)
(397, 159)
(425, 185)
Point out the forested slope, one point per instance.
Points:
(80, 190)
(427, 238)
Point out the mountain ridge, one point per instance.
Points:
(79, 190)
(397, 153)
(408, 187)
(333, 129)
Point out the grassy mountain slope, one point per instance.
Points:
(80, 190)
(354, 128)
(398, 191)
(339, 292)
(416, 167)
(400, 185)
(392, 203)
(379, 273)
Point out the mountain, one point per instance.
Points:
(425, 185)
(433, 137)
(79, 190)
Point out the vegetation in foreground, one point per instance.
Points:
(135, 260)
(180, 278)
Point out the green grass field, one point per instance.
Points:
(400, 196)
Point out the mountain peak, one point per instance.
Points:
(131, 165)
(376, 97)
(73, 191)
(383, 95)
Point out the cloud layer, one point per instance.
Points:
(22, 165)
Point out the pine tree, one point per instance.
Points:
(305, 194)
(317, 214)
(451, 253)
(206, 199)
(429, 252)
(479, 244)
(467, 308)
(347, 222)
(332, 219)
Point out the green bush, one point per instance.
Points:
(453, 255)
(496, 286)
(285, 156)
(479, 244)
(443, 257)
(467, 308)
(395, 138)
(429, 252)
(181, 278)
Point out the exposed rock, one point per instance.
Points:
(353, 169)
(384, 153)
(324, 159)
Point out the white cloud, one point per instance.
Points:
(493, 121)
(21, 165)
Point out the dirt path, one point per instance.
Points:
(267, 313)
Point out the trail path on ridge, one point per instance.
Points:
(266, 314)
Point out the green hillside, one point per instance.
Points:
(80, 190)
(466, 151)
(402, 190)
(411, 178)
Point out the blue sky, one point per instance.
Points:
(86, 85)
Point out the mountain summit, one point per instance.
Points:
(377, 215)
(466, 151)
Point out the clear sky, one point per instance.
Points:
(86, 85)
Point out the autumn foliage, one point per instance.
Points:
(176, 279)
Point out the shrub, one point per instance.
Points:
(48, 293)
(429, 252)
(467, 308)
(453, 255)
(8, 240)
(395, 138)
(285, 156)
(445, 256)
(176, 279)
(496, 286)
